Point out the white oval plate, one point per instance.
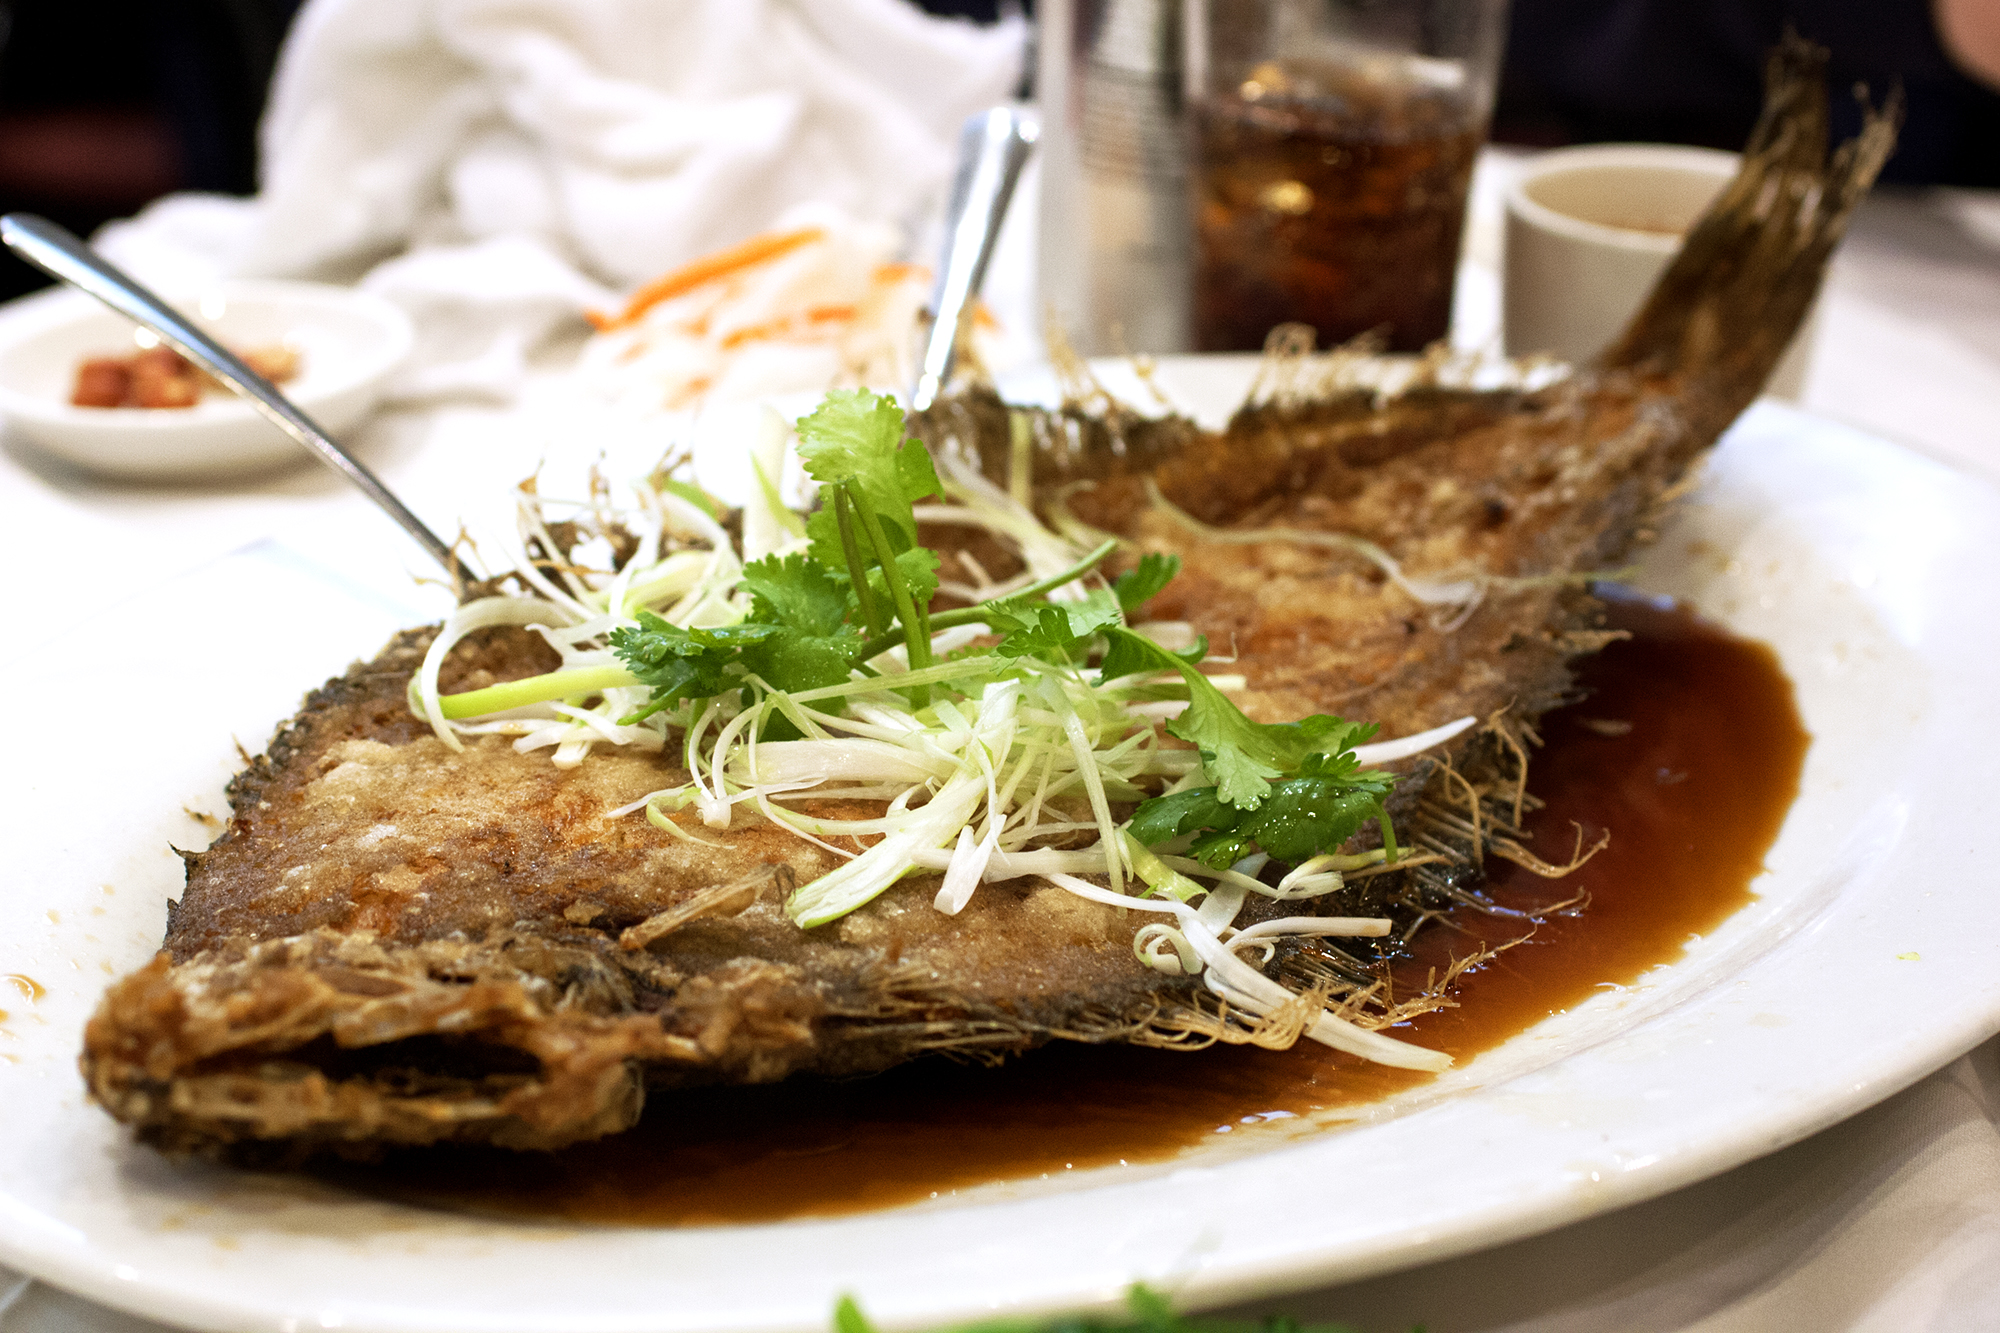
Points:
(348, 342)
(1871, 956)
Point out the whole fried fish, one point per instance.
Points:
(396, 943)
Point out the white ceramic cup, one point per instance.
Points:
(1589, 231)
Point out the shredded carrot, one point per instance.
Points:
(770, 328)
(756, 250)
(891, 273)
(689, 392)
(784, 324)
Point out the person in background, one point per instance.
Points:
(1971, 33)
(1688, 71)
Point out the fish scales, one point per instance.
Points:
(393, 943)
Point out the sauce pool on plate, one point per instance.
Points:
(1687, 747)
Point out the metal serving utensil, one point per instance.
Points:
(60, 254)
(992, 148)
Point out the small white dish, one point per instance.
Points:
(348, 342)
(1590, 229)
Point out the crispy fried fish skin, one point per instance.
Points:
(393, 943)
(396, 943)
(1525, 492)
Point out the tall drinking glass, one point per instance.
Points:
(1332, 144)
(1113, 255)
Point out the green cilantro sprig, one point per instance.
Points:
(1298, 819)
(871, 477)
(1064, 631)
(1295, 789)
(984, 613)
(864, 585)
(681, 663)
(812, 643)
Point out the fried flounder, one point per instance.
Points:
(394, 943)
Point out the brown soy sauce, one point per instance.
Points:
(1687, 747)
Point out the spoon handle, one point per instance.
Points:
(60, 254)
(992, 149)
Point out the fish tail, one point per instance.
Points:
(1730, 303)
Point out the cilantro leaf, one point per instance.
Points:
(1306, 816)
(1129, 653)
(1222, 841)
(1295, 789)
(1190, 811)
(792, 661)
(681, 663)
(1139, 585)
(1236, 752)
(1149, 1312)
(1050, 629)
(1343, 766)
(1152, 1312)
(795, 592)
(1300, 818)
(855, 439)
(870, 477)
(814, 645)
(918, 566)
(1222, 848)
(1243, 757)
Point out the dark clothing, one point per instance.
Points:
(1689, 71)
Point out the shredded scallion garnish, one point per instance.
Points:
(993, 737)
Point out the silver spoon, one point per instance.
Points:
(58, 253)
(992, 149)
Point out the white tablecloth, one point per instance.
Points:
(1890, 1221)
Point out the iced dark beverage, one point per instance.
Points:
(1331, 195)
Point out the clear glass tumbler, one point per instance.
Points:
(1331, 147)
(1114, 260)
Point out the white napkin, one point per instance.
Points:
(499, 166)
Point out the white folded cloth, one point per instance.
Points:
(499, 166)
